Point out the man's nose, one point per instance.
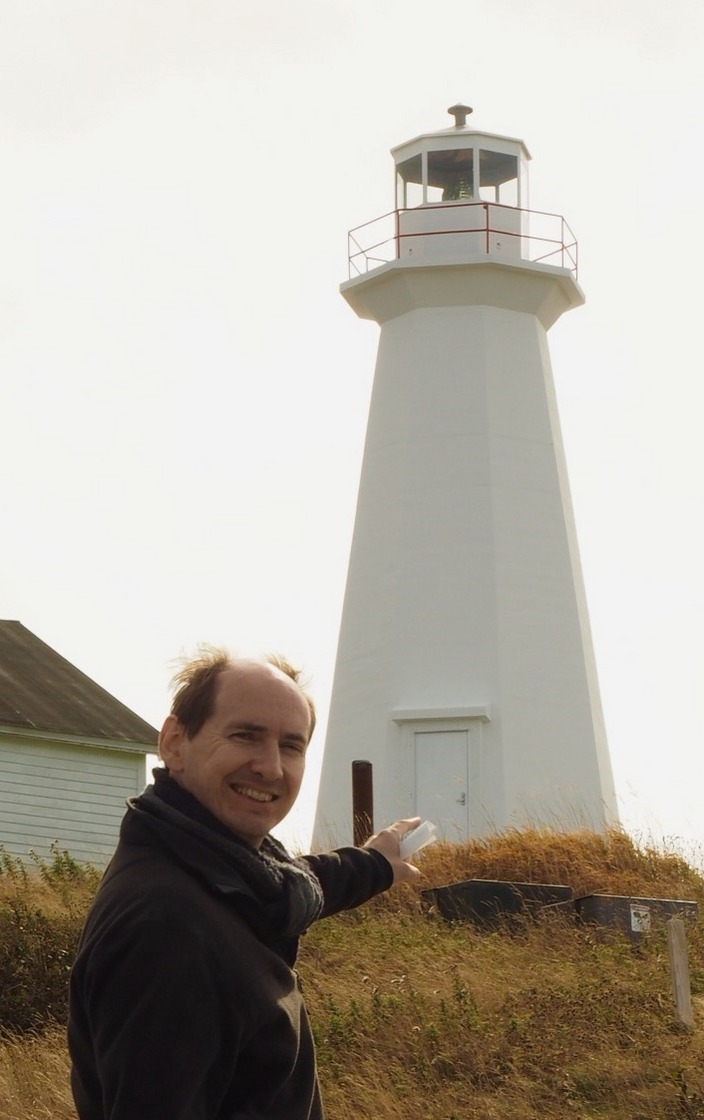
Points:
(266, 761)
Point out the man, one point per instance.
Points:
(184, 1003)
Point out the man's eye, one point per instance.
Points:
(295, 747)
(242, 735)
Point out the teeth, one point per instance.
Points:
(255, 794)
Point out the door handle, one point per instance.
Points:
(462, 799)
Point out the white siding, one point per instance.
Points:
(73, 795)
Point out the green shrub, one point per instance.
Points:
(36, 953)
(42, 908)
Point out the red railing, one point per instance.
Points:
(533, 235)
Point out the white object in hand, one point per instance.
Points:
(417, 838)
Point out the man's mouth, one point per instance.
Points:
(253, 794)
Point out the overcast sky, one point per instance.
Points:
(184, 393)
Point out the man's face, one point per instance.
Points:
(246, 763)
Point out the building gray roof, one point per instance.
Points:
(42, 691)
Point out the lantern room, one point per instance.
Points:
(461, 165)
(461, 193)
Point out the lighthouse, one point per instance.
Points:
(465, 671)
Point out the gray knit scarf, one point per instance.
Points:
(287, 895)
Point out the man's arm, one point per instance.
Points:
(351, 876)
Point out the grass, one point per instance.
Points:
(417, 1017)
(414, 1016)
(34, 1077)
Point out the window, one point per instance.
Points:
(451, 176)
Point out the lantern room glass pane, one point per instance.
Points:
(451, 175)
(409, 183)
(498, 178)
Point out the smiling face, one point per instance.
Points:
(246, 763)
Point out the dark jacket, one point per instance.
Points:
(184, 1003)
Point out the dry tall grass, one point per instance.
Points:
(418, 1018)
(34, 1077)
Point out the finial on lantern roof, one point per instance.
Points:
(460, 113)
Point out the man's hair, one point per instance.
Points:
(196, 681)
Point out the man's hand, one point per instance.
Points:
(388, 842)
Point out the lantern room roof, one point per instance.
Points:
(459, 138)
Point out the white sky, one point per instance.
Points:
(183, 392)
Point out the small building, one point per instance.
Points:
(70, 754)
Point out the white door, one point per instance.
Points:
(442, 781)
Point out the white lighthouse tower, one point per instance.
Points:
(465, 671)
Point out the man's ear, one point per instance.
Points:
(171, 740)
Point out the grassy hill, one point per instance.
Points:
(415, 1017)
